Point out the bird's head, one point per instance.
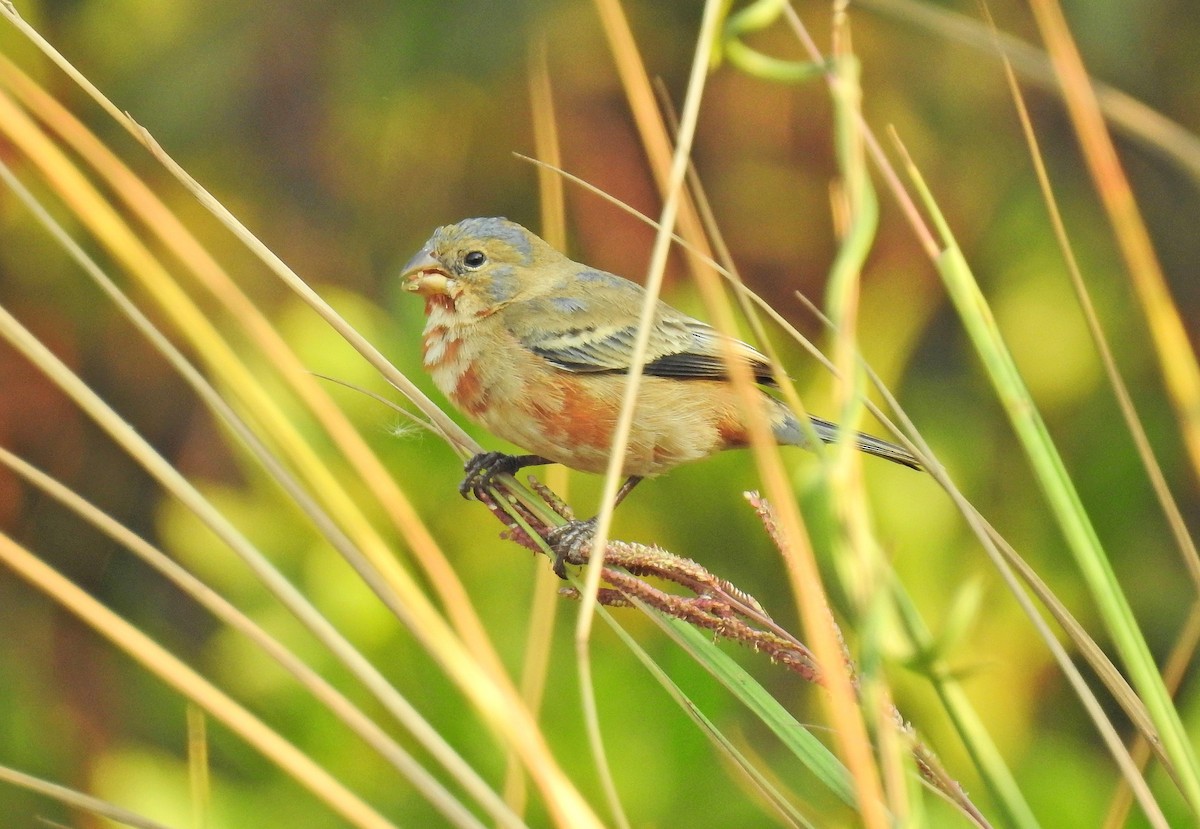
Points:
(477, 265)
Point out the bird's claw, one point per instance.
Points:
(569, 543)
(482, 468)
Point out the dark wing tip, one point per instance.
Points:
(689, 365)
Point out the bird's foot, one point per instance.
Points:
(482, 468)
(570, 544)
(485, 466)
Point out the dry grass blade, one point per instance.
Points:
(484, 689)
(540, 637)
(1061, 497)
(192, 685)
(1133, 422)
(353, 717)
(845, 716)
(884, 604)
(1133, 118)
(78, 800)
(1176, 358)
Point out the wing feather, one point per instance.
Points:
(576, 332)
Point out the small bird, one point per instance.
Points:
(537, 348)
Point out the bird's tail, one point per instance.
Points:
(788, 432)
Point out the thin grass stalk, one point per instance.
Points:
(1068, 510)
(655, 270)
(336, 702)
(391, 700)
(860, 213)
(846, 725)
(1174, 671)
(1011, 566)
(161, 222)
(727, 268)
(855, 547)
(746, 299)
(78, 800)
(993, 543)
(1177, 360)
(955, 270)
(980, 527)
(544, 610)
(99, 215)
(639, 94)
(442, 644)
(1158, 481)
(199, 782)
(193, 686)
(493, 695)
(1190, 636)
(1134, 119)
(996, 545)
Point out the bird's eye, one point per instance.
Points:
(474, 259)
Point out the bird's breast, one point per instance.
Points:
(449, 353)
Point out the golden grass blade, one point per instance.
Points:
(856, 553)
(1177, 360)
(336, 702)
(493, 695)
(221, 359)
(1063, 500)
(175, 237)
(639, 94)
(1158, 481)
(1133, 118)
(192, 685)
(166, 474)
(629, 64)
(199, 782)
(544, 611)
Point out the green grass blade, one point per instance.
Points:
(1072, 518)
(764, 785)
(818, 759)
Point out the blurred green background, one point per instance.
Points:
(342, 134)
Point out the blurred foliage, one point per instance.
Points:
(341, 134)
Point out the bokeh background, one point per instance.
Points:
(342, 134)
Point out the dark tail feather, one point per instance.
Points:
(790, 433)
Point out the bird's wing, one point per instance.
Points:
(703, 357)
(591, 328)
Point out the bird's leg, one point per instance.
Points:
(485, 466)
(626, 488)
(570, 541)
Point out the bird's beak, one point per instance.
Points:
(424, 275)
